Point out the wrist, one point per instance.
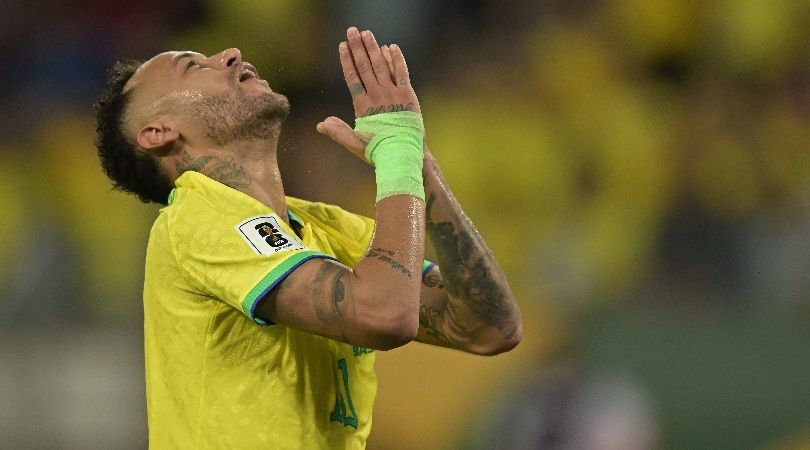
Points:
(429, 162)
(396, 151)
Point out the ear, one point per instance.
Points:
(157, 134)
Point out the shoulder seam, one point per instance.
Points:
(185, 272)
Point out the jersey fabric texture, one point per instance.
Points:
(219, 377)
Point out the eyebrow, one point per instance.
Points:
(178, 57)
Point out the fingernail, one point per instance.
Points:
(353, 31)
(342, 47)
(366, 34)
(395, 47)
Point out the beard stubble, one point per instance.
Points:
(236, 116)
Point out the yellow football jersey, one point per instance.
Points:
(217, 379)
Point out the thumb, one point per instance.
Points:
(340, 132)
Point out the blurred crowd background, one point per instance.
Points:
(640, 168)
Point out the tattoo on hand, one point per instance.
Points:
(395, 107)
(387, 257)
(224, 170)
(356, 89)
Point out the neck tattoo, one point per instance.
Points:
(225, 170)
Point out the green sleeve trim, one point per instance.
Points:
(294, 217)
(427, 265)
(274, 277)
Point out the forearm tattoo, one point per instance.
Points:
(387, 256)
(429, 320)
(225, 170)
(470, 274)
(445, 323)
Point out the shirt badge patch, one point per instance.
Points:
(265, 236)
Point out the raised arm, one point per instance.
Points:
(376, 304)
(467, 303)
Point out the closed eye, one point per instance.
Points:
(190, 64)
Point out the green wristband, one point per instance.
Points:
(396, 151)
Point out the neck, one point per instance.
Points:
(247, 166)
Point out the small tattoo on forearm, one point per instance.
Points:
(434, 281)
(387, 257)
(430, 319)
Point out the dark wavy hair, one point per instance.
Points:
(129, 168)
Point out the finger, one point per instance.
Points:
(378, 64)
(342, 134)
(361, 60)
(386, 52)
(400, 68)
(353, 81)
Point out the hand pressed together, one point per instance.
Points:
(378, 80)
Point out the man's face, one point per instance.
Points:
(220, 95)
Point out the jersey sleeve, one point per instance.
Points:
(238, 260)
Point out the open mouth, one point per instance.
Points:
(247, 73)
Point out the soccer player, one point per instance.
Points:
(263, 312)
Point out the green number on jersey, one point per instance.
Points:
(339, 413)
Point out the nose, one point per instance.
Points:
(230, 57)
